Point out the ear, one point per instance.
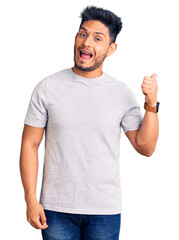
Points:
(111, 49)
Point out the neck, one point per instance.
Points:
(93, 74)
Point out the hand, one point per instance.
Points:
(149, 89)
(36, 215)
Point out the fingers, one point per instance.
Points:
(36, 223)
(149, 82)
(149, 89)
(147, 85)
(151, 79)
(43, 218)
(36, 216)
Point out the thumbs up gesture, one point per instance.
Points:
(149, 89)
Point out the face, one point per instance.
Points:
(92, 46)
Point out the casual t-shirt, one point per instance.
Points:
(82, 119)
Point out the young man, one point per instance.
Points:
(82, 110)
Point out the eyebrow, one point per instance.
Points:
(94, 32)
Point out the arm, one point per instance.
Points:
(148, 133)
(144, 140)
(31, 139)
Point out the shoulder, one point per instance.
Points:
(124, 91)
(119, 83)
(62, 74)
(52, 78)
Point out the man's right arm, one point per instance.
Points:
(31, 139)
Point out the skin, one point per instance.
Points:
(31, 139)
(143, 140)
(98, 44)
(146, 137)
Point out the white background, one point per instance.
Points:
(37, 39)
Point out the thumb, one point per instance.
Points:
(43, 218)
(154, 75)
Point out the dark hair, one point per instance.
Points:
(108, 18)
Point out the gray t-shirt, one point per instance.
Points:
(82, 119)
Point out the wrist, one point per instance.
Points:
(154, 104)
(30, 198)
(152, 107)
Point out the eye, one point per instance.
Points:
(82, 34)
(98, 39)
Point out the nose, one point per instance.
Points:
(87, 42)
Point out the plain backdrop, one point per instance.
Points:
(37, 39)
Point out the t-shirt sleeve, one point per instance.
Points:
(132, 119)
(37, 115)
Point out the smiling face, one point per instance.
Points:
(92, 46)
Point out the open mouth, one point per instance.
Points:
(84, 55)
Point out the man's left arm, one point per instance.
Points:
(144, 140)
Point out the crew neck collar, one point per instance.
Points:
(96, 79)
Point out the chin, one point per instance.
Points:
(82, 68)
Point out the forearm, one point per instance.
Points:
(29, 171)
(148, 133)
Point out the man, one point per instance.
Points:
(82, 110)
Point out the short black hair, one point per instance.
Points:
(108, 18)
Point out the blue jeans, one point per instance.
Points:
(63, 226)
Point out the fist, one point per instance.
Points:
(36, 215)
(149, 89)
